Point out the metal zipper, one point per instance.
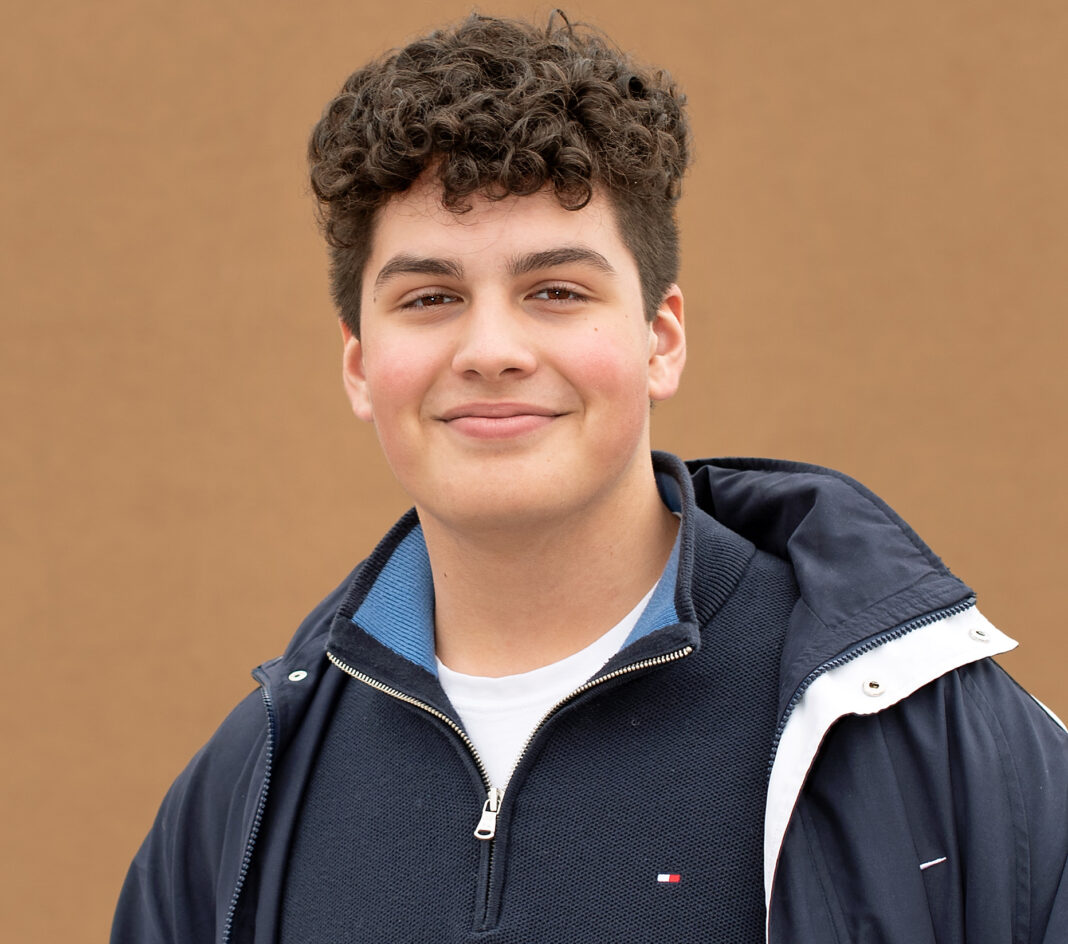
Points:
(487, 823)
(486, 829)
(593, 683)
(441, 716)
(850, 654)
(261, 804)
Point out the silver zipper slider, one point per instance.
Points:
(487, 823)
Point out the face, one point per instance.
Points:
(505, 360)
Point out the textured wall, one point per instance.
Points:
(875, 240)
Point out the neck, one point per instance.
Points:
(508, 601)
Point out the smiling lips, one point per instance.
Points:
(497, 420)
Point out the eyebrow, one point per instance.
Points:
(404, 264)
(563, 255)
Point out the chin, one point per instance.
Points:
(519, 490)
(481, 508)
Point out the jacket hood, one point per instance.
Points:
(861, 570)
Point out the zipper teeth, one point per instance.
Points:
(441, 716)
(593, 683)
(584, 687)
(261, 804)
(850, 654)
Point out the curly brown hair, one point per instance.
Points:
(501, 107)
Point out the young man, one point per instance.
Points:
(582, 692)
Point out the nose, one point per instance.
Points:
(493, 342)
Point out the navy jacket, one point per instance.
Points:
(915, 793)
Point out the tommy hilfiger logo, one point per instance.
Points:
(668, 878)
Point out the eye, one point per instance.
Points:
(430, 300)
(559, 293)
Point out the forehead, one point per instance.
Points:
(416, 222)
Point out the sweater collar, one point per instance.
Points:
(388, 611)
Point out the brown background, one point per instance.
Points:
(875, 239)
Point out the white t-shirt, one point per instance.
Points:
(499, 714)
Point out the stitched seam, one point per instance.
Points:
(879, 719)
(834, 909)
(1014, 792)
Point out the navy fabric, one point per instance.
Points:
(860, 568)
(969, 764)
(658, 772)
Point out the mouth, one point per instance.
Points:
(498, 420)
(495, 411)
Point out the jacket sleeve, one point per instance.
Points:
(1034, 749)
(181, 882)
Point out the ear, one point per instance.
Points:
(352, 375)
(667, 346)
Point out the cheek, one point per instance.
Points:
(615, 369)
(396, 385)
(396, 377)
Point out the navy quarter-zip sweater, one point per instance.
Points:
(912, 793)
(592, 818)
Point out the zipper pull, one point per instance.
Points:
(487, 823)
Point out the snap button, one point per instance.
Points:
(299, 676)
(979, 634)
(873, 688)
